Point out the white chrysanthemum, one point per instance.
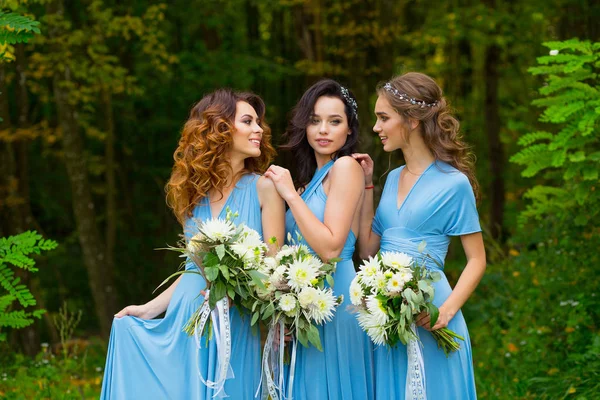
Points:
(369, 270)
(249, 247)
(396, 260)
(395, 284)
(307, 297)
(277, 278)
(300, 274)
(284, 252)
(369, 324)
(287, 302)
(315, 262)
(380, 282)
(268, 265)
(218, 230)
(322, 309)
(378, 335)
(194, 246)
(377, 310)
(405, 274)
(356, 292)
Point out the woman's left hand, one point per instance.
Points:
(423, 319)
(282, 179)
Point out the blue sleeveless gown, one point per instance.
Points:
(155, 359)
(440, 204)
(344, 370)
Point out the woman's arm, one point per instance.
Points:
(273, 214)
(154, 307)
(468, 281)
(326, 238)
(368, 241)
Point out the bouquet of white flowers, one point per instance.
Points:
(293, 298)
(389, 291)
(228, 257)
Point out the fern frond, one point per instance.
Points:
(531, 138)
(15, 28)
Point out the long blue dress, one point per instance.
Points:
(155, 359)
(440, 204)
(344, 370)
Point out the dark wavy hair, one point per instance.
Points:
(296, 142)
(201, 161)
(440, 129)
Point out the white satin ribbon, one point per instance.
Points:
(222, 335)
(273, 366)
(415, 374)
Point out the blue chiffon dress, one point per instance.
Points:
(155, 359)
(344, 370)
(440, 204)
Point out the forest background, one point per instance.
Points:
(94, 94)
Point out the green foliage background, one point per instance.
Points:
(122, 77)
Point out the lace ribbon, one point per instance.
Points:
(415, 374)
(222, 333)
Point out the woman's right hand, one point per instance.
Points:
(143, 312)
(366, 162)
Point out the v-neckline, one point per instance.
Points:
(225, 204)
(399, 207)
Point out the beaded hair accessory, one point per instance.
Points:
(349, 99)
(404, 97)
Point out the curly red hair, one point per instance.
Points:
(201, 161)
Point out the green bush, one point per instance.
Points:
(534, 320)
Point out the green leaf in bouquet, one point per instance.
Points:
(422, 246)
(426, 287)
(217, 292)
(254, 305)
(269, 310)
(225, 271)
(210, 260)
(419, 300)
(254, 318)
(302, 335)
(434, 313)
(409, 295)
(220, 249)
(329, 279)
(314, 337)
(211, 273)
(334, 260)
(241, 290)
(257, 278)
(392, 313)
(230, 292)
(301, 323)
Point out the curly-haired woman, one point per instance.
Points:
(224, 146)
(430, 198)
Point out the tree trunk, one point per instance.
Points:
(496, 150)
(111, 207)
(94, 251)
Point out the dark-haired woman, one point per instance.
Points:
(324, 208)
(431, 198)
(223, 146)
